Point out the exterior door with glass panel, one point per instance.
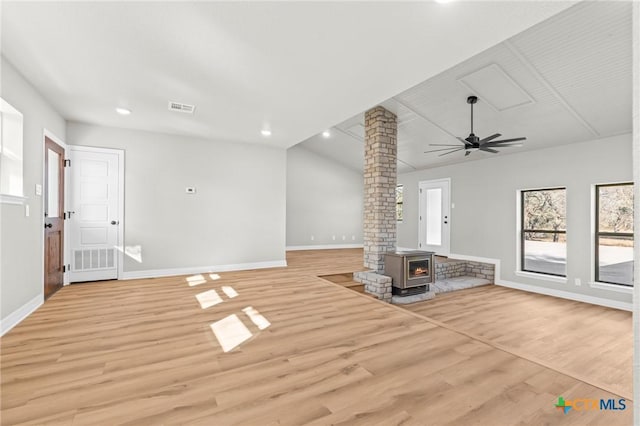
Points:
(434, 223)
(94, 218)
(53, 217)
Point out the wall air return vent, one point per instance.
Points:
(179, 107)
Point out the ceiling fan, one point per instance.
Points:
(474, 143)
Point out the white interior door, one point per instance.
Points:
(94, 214)
(434, 216)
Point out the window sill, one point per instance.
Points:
(542, 277)
(12, 199)
(612, 287)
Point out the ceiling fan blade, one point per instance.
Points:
(465, 142)
(443, 144)
(444, 149)
(493, 151)
(452, 151)
(505, 145)
(490, 138)
(509, 140)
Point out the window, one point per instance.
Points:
(399, 201)
(614, 234)
(10, 150)
(543, 237)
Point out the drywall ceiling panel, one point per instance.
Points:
(586, 57)
(496, 88)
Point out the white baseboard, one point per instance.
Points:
(578, 297)
(15, 317)
(325, 247)
(155, 273)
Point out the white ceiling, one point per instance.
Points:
(565, 80)
(296, 68)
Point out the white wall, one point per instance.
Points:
(21, 265)
(483, 222)
(236, 217)
(324, 199)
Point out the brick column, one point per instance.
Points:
(380, 177)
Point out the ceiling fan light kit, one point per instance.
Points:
(474, 143)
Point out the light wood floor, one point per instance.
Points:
(590, 342)
(143, 352)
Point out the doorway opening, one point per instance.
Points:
(434, 216)
(54, 215)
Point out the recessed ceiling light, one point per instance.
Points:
(123, 111)
(266, 132)
(326, 133)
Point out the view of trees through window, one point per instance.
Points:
(399, 202)
(614, 236)
(543, 239)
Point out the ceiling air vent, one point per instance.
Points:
(177, 106)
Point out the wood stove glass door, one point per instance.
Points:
(434, 216)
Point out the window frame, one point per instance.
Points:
(523, 230)
(598, 234)
(12, 197)
(399, 185)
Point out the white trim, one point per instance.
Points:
(48, 133)
(567, 295)
(612, 287)
(15, 317)
(121, 159)
(16, 200)
(541, 277)
(544, 290)
(95, 149)
(154, 273)
(325, 247)
(421, 230)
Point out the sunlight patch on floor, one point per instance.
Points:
(255, 316)
(229, 291)
(208, 299)
(230, 332)
(196, 280)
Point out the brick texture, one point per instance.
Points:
(376, 284)
(466, 268)
(380, 177)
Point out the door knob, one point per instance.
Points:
(115, 222)
(48, 225)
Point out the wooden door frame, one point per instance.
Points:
(120, 154)
(49, 134)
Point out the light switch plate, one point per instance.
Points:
(38, 189)
(26, 210)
